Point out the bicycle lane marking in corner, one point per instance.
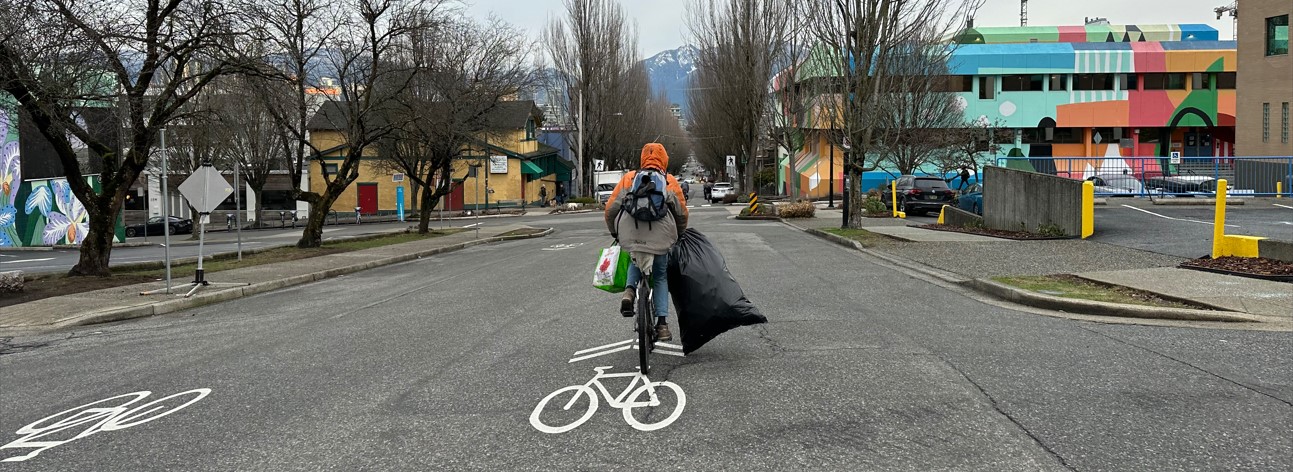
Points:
(99, 418)
(627, 400)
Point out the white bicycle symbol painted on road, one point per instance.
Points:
(102, 415)
(626, 401)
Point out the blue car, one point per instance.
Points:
(972, 199)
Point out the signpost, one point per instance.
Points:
(399, 202)
(205, 190)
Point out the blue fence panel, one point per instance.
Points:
(1168, 177)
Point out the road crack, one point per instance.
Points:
(997, 406)
(1188, 364)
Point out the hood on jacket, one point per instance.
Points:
(654, 157)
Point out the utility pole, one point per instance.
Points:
(580, 150)
(1023, 12)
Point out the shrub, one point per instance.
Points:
(874, 206)
(764, 210)
(583, 200)
(800, 209)
(729, 198)
(1051, 230)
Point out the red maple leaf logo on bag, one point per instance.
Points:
(606, 264)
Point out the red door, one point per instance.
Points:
(455, 198)
(367, 199)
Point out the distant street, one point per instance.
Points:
(439, 364)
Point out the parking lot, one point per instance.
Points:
(1186, 231)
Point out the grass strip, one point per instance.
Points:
(1068, 286)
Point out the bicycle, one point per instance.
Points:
(108, 414)
(645, 315)
(626, 401)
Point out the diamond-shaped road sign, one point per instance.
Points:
(205, 189)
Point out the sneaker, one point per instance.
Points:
(626, 303)
(662, 332)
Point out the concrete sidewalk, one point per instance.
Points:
(974, 260)
(125, 302)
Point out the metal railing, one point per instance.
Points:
(1266, 176)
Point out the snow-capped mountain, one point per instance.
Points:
(670, 71)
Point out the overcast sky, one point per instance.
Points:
(661, 26)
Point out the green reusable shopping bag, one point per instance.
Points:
(612, 271)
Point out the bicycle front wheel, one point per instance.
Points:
(578, 391)
(644, 328)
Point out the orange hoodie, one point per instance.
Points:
(653, 157)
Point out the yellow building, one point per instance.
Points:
(510, 166)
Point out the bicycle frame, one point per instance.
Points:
(618, 401)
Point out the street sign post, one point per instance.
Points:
(205, 189)
(399, 202)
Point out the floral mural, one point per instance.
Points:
(36, 212)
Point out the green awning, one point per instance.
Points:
(530, 168)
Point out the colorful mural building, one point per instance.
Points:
(37, 207)
(1102, 92)
(505, 166)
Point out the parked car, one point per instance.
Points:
(604, 192)
(1182, 185)
(1117, 185)
(154, 227)
(972, 199)
(920, 195)
(720, 190)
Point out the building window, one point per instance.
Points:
(1201, 81)
(329, 169)
(1022, 83)
(987, 88)
(1107, 135)
(1093, 82)
(1059, 82)
(529, 130)
(1226, 81)
(1284, 123)
(1129, 81)
(1266, 122)
(1277, 35)
(1163, 81)
(958, 83)
(1067, 136)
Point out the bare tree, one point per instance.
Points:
(790, 95)
(249, 139)
(468, 71)
(146, 57)
(916, 112)
(595, 56)
(740, 43)
(360, 40)
(973, 144)
(861, 39)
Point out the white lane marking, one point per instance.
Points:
(19, 261)
(1175, 218)
(558, 247)
(7, 255)
(470, 225)
(591, 349)
(626, 401)
(1283, 206)
(96, 419)
(603, 353)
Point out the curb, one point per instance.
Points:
(170, 306)
(1038, 300)
(114, 245)
(1088, 307)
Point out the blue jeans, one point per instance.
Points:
(660, 285)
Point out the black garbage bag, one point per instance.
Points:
(708, 300)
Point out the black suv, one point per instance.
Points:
(920, 195)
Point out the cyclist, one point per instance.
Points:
(624, 218)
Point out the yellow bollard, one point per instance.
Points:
(1279, 189)
(940, 213)
(893, 191)
(1088, 209)
(1219, 221)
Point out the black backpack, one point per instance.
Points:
(645, 200)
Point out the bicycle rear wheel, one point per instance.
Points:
(646, 333)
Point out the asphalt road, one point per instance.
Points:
(1186, 231)
(438, 364)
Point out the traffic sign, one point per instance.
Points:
(205, 189)
(731, 161)
(599, 165)
(1175, 157)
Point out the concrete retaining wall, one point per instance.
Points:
(1016, 200)
(957, 217)
(1275, 249)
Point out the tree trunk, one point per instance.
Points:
(312, 235)
(424, 210)
(96, 248)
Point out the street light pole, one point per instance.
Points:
(583, 191)
(831, 191)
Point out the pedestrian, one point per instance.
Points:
(543, 195)
(965, 178)
(709, 189)
(561, 193)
